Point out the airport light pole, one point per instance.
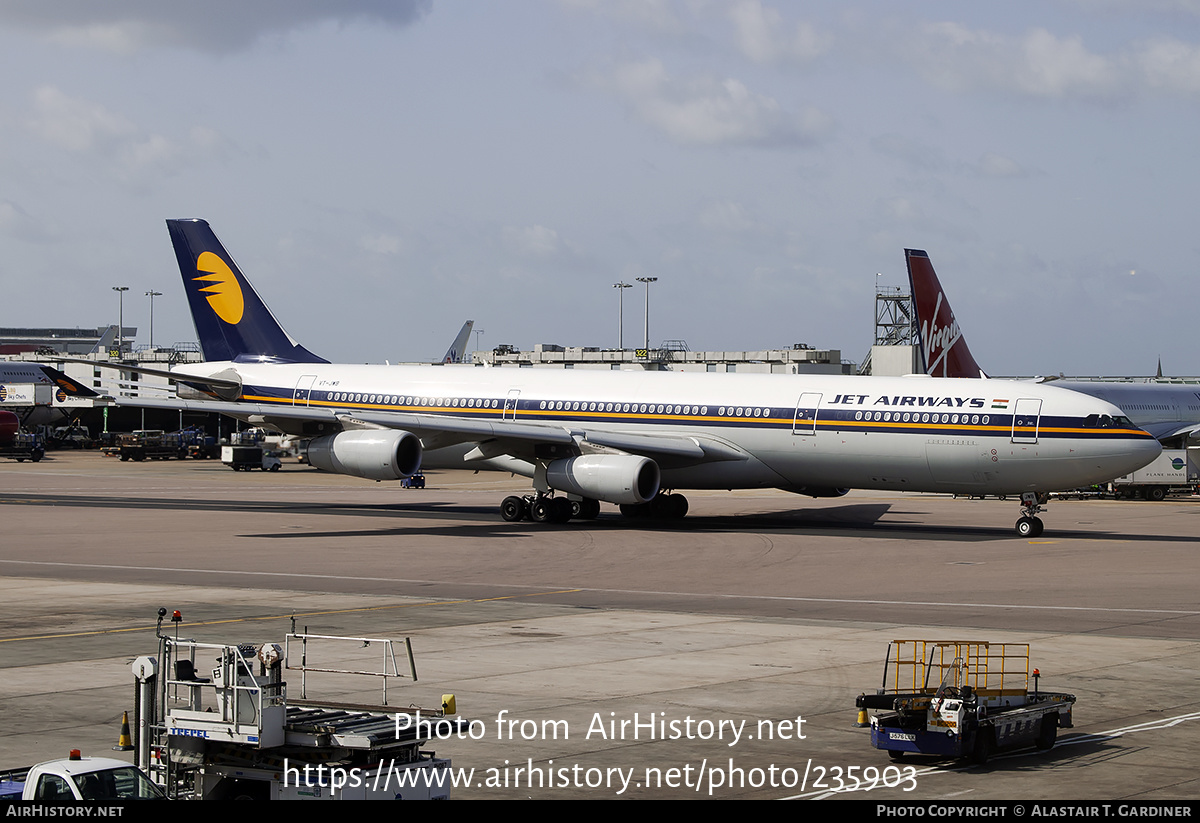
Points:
(120, 290)
(620, 286)
(647, 281)
(478, 333)
(152, 294)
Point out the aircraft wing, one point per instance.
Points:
(492, 437)
(1165, 431)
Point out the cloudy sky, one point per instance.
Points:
(385, 169)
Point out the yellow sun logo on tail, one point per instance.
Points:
(224, 295)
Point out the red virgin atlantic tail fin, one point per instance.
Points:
(944, 352)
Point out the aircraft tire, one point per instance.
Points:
(560, 510)
(1029, 527)
(586, 509)
(539, 510)
(635, 511)
(513, 509)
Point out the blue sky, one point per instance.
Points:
(384, 170)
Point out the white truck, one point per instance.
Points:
(77, 779)
(1171, 471)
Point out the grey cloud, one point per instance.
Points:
(705, 110)
(216, 25)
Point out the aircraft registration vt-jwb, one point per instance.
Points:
(633, 438)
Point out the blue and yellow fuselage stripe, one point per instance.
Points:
(989, 422)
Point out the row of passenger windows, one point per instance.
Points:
(397, 400)
(916, 417)
(545, 405)
(650, 408)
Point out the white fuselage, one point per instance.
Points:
(798, 432)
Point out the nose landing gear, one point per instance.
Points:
(1030, 525)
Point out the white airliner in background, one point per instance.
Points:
(633, 438)
(1170, 412)
(458, 349)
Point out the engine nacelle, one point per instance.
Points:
(613, 478)
(376, 454)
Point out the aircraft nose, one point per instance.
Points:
(1140, 453)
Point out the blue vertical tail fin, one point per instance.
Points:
(232, 321)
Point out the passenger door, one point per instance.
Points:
(510, 404)
(1026, 416)
(805, 421)
(303, 389)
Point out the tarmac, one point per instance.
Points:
(717, 656)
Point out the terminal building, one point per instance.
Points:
(75, 342)
(672, 355)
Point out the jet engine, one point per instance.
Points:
(376, 454)
(614, 478)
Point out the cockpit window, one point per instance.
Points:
(1107, 421)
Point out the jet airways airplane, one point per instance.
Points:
(1170, 412)
(633, 438)
(20, 371)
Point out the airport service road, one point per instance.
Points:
(758, 606)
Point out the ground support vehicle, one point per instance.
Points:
(151, 443)
(962, 699)
(1096, 492)
(246, 451)
(198, 445)
(232, 732)
(416, 481)
(1170, 472)
(23, 446)
(204, 448)
(248, 458)
(73, 436)
(77, 779)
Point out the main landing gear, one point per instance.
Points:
(542, 508)
(1032, 503)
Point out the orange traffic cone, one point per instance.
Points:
(124, 743)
